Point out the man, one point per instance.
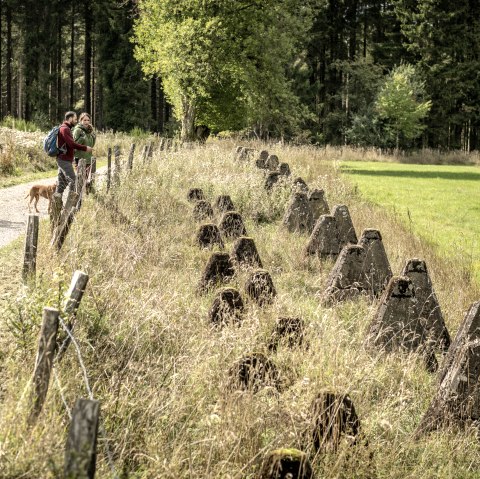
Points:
(66, 173)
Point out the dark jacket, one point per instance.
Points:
(65, 138)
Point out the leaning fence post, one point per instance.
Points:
(65, 220)
(31, 242)
(116, 171)
(74, 297)
(130, 156)
(150, 150)
(81, 447)
(44, 360)
(144, 153)
(81, 176)
(56, 206)
(109, 168)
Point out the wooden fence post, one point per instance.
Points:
(160, 147)
(150, 151)
(130, 156)
(109, 168)
(31, 242)
(74, 297)
(80, 184)
(65, 220)
(56, 206)
(144, 153)
(44, 360)
(81, 447)
(116, 171)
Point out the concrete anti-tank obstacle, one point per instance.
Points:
(254, 372)
(260, 288)
(208, 235)
(299, 184)
(298, 217)
(202, 210)
(245, 253)
(345, 228)
(271, 163)
(318, 204)
(290, 331)
(227, 307)
(244, 153)
(427, 302)
(219, 269)
(323, 241)
(397, 324)
(195, 194)
(284, 169)
(231, 225)
(457, 400)
(334, 420)
(272, 179)
(377, 266)
(347, 279)
(286, 463)
(263, 155)
(224, 203)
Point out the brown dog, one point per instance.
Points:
(37, 191)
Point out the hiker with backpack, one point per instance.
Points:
(66, 146)
(84, 135)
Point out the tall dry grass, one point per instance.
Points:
(160, 370)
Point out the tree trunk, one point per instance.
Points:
(153, 103)
(72, 57)
(9, 61)
(88, 55)
(188, 120)
(161, 108)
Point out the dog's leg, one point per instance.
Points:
(36, 201)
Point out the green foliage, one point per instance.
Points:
(400, 103)
(224, 63)
(19, 124)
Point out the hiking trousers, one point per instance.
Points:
(66, 176)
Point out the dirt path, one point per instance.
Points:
(14, 209)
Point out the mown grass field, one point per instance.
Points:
(440, 203)
(161, 371)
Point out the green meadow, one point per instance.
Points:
(440, 203)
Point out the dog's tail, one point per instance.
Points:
(28, 194)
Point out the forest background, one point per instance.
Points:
(398, 73)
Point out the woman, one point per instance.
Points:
(83, 133)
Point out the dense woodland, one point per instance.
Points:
(399, 73)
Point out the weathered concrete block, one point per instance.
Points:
(427, 302)
(284, 169)
(286, 464)
(397, 324)
(245, 153)
(323, 241)
(231, 225)
(299, 184)
(208, 235)
(347, 278)
(298, 217)
(260, 163)
(457, 400)
(245, 253)
(346, 230)
(202, 210)
(195, 194)
(272, 179)
(259, 287)
(263, 155)
(254, 372)
(377, 266)
(289, 331)
(227, 307)
(272, 162)
(334, 420)
(219, 269)
(224, 203)
(318, 204)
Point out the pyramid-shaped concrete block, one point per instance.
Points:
(284, 169)
(245, 253)
(377, 266)
(208, 235)
(397, 324)
(195, 194)
(347, 279)
(298, 217)
(272, 179)
(346, 230)
(457, 400)
(224, 203)
(260, 288)
(427, 302)
(272, 162)
(202, 210)
(218, 270)
(298, 184)
(318, 204)
(323, 241)
(231, 225)
(227, 307)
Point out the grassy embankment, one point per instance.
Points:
(440, 203)
(160, 370)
